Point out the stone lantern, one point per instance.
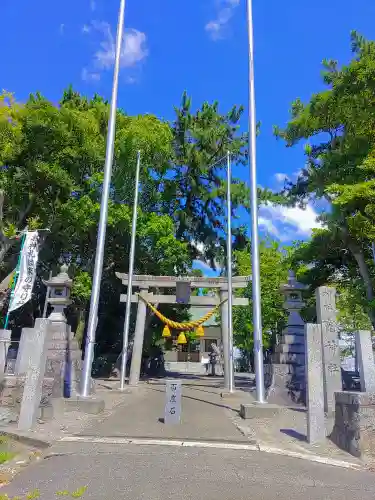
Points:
(289, 357)
(59, 288)
(293, 304)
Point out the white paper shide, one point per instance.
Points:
(27, 271)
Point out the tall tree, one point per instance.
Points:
(274, 265)
(339, 124)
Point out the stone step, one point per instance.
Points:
(292, 339)
(294, 330)
(282, 358)
(291, 348)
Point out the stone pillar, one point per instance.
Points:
(225, 334)
(365, 356)
(135, 369)
(326, 315)
(5, 336)
(314, 391)
(32, 392)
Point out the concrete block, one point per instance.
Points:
(292, 339)
(89, 405)
(365, 355)
(282, 358)
(259, 410)
(290, 348)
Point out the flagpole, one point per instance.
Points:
(255, 265)
(229, 274)
(15, 279)
(99, 257)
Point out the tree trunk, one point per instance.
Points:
(364, 272)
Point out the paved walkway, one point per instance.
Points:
(131, 472)
(204, 415)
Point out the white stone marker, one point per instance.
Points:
(172, 412)
(365, 356)
(316, 431)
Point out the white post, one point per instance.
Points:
(98, 268)
(257, 313)
(230, 378)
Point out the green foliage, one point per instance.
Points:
(35, 494)
(51, 176)
(274, 265)
(339, 125)
(81, 289)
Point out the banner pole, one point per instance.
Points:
(16, 274)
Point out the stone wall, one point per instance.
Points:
(354, 428)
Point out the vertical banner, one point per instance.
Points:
(27, 271)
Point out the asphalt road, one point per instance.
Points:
(161, 473)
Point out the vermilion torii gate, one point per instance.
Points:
(146, 282)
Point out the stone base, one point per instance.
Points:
(89, 405)
(354, 429)
(234, 394)
(11, 391)
(288, 385)
(259, 410)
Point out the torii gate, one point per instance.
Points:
(145, 282)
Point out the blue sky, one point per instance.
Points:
(197, 45)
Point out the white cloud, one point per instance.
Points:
(90, 76)
(92, 5)
(280, 178)
(62, 28)
(288, 223)
(134, 50)
(268, 225)
(224, 13)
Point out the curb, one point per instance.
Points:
(260, 447)
(27, 440)
(310, 457)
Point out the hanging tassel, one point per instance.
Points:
(166, 332)
(199, 331)
(181, 339)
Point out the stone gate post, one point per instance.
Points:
(135, 369)
(225, 333)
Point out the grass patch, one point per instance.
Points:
(5, 456)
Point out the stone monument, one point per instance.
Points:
(316, 430)
(62, 363)
(326, 317)
(288, 361)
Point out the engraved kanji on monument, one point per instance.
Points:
(326, 316)
(172, 412)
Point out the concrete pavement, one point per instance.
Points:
(204, 415)
(162, 473)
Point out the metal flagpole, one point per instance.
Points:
(98, 268)
(257, 313)
(47, 297)
(130, 276)
(229, 274)
(15, 278)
